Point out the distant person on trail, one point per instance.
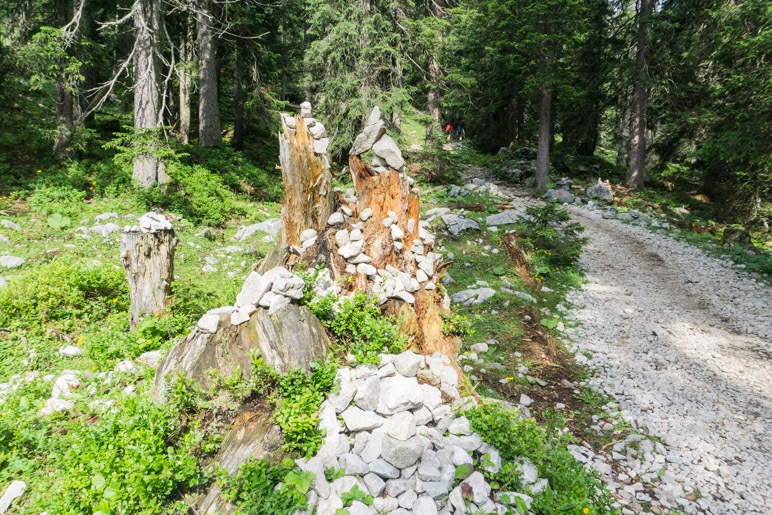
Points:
(449, 129)
(461, 132)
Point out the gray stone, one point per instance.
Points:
(366, 269)
(292, 338)
(318, 131)
(10, 225)
(601, 190)
(403, 454)
(209, 323)
(375, 485)
(255, 286)
(3, 282)
(387, 149)
(287, 284)
(367, 138)
(528, 471)
(400, 426)
(320, 145)
(460, 426)
(359, 420)
(336, 218)
(525, 400)
(14, 491)
(368, 393)
(399, 393)
(385, 504)
(505, 217)
(396, 487)
(372, 450)
(525, 296)
(424, 505)
(407, 499)
(479, 347)
(271, 227)
(559, 196)
(353, 464)
(305, 110)
(460, 456)
(384, 469)
(458, 224)
(308, 234)
(152, 222)
(408, 363)
(11, 261)
(351, 249)
(481, 490)
(473, 297)
(70, 350)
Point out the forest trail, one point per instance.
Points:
(684, 343)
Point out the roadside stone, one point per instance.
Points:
(403, 454)
(359, 420)
(11, 261)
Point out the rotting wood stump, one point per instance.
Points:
(147, 255)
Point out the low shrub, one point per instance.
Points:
(571, 488)
(261, 488)
(359, 327)
(551, 230)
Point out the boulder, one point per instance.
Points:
(457, 224)
(559, 196)
(386, 148)
(291, 338)
(506, 217)
(601, 191)
(403, 453)
(367, 138)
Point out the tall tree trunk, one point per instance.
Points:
(636, 164)
(435, 108)
(545, 114)
(239, 97)
(148, 168)
(67, 108)
(208, 99)
(185, 75)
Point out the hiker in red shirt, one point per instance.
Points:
(449, 130)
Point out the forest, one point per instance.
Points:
(669, 90)
(356, 257)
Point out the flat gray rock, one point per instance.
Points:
(458, 224)
(10, 225)
(473, 297)
(11, 261)
(505, 217)
(357, 419)
(403, 454)
(271, 227)
(559, 196)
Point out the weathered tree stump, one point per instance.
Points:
(147, 254)
(308, 200)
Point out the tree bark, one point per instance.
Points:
(208, 99)
(433, 100)
(148, 167)
(67, 108)
(308, 200)
(185, 76)
(636, 165)
(239, 97)
(149, 262)
(545, 112)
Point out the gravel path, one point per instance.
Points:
(684, 344)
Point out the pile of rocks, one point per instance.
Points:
(272, 290)
(419, 263)
(374, 137)
(317, 129)
(392, 444)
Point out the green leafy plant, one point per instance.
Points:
(254, 488)
(570, 485)
(356, 494)
(296, 397)
(57, 221)
(359, 327)
(456, 325)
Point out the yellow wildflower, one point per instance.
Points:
(510, 378)
(80, 340)
(586, 511)
(40, 171)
